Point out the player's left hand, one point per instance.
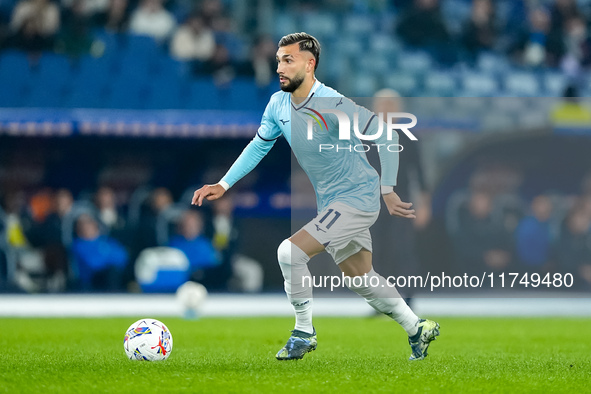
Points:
(397, 207)
(209, 192)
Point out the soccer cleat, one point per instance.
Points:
(298, 345)
(419, 343)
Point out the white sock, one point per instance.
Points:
(293, 262)
(385, 299)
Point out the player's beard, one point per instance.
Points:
(293, 84)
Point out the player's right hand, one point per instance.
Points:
(209, 192)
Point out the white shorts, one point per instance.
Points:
(343, 230)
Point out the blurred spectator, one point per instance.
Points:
(41, 204)
(34, 24)
(160, 201)
(422, 25)
(562, 11)
(49, 232)
(75, 38)
(219, 66)
(402, 259)
(480, 32)
(481, 241)
(577, 47)
(193, 40)
(109, 214)
(87, 7)
(48, 236)
(211, 10)
(99, 259)
(224, 241)
(533, 236)
(536, 45)
(152, 19)
(43, 13)
(574, 246)
(17, 221)
(226, 36)
(263, 60)
(115, 18)
(198, 249)
(571, 111)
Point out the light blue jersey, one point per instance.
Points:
(338, 169)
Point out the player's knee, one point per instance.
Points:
(284, 252)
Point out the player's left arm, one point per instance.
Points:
(389, 165)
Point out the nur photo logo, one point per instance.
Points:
(391, 120)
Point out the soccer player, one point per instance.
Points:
(347, 189)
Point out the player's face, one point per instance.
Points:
(292, 65)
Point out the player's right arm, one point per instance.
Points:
(250, 157)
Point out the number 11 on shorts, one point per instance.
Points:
(337, 214)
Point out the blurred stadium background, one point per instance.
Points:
(112, 112)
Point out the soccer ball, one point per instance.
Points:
(147, 340)
(191, 295)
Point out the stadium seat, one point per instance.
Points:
(166, 66)
(45, 97)
(284, 22)
(89, 83)
(554, 83)
(479, 84)
(126, 94)
(165, 93)
(49, 81)
(14, 61)
(349, 46)
(440, 84)
(143, 47)
(135, 67)
(90, 70)
(415, 62)
(375, 62)
(491, 63)
(385, 44)
(359, 25)
(242, 95)
(364, 85)
(404, 83)
(112, 42)
(204, 94)
(15, 78)
(323, 25)
(521, 84)
(54, 67)
(14, 90)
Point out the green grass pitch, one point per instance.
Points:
(354, 355)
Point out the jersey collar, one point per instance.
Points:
(315, 86)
